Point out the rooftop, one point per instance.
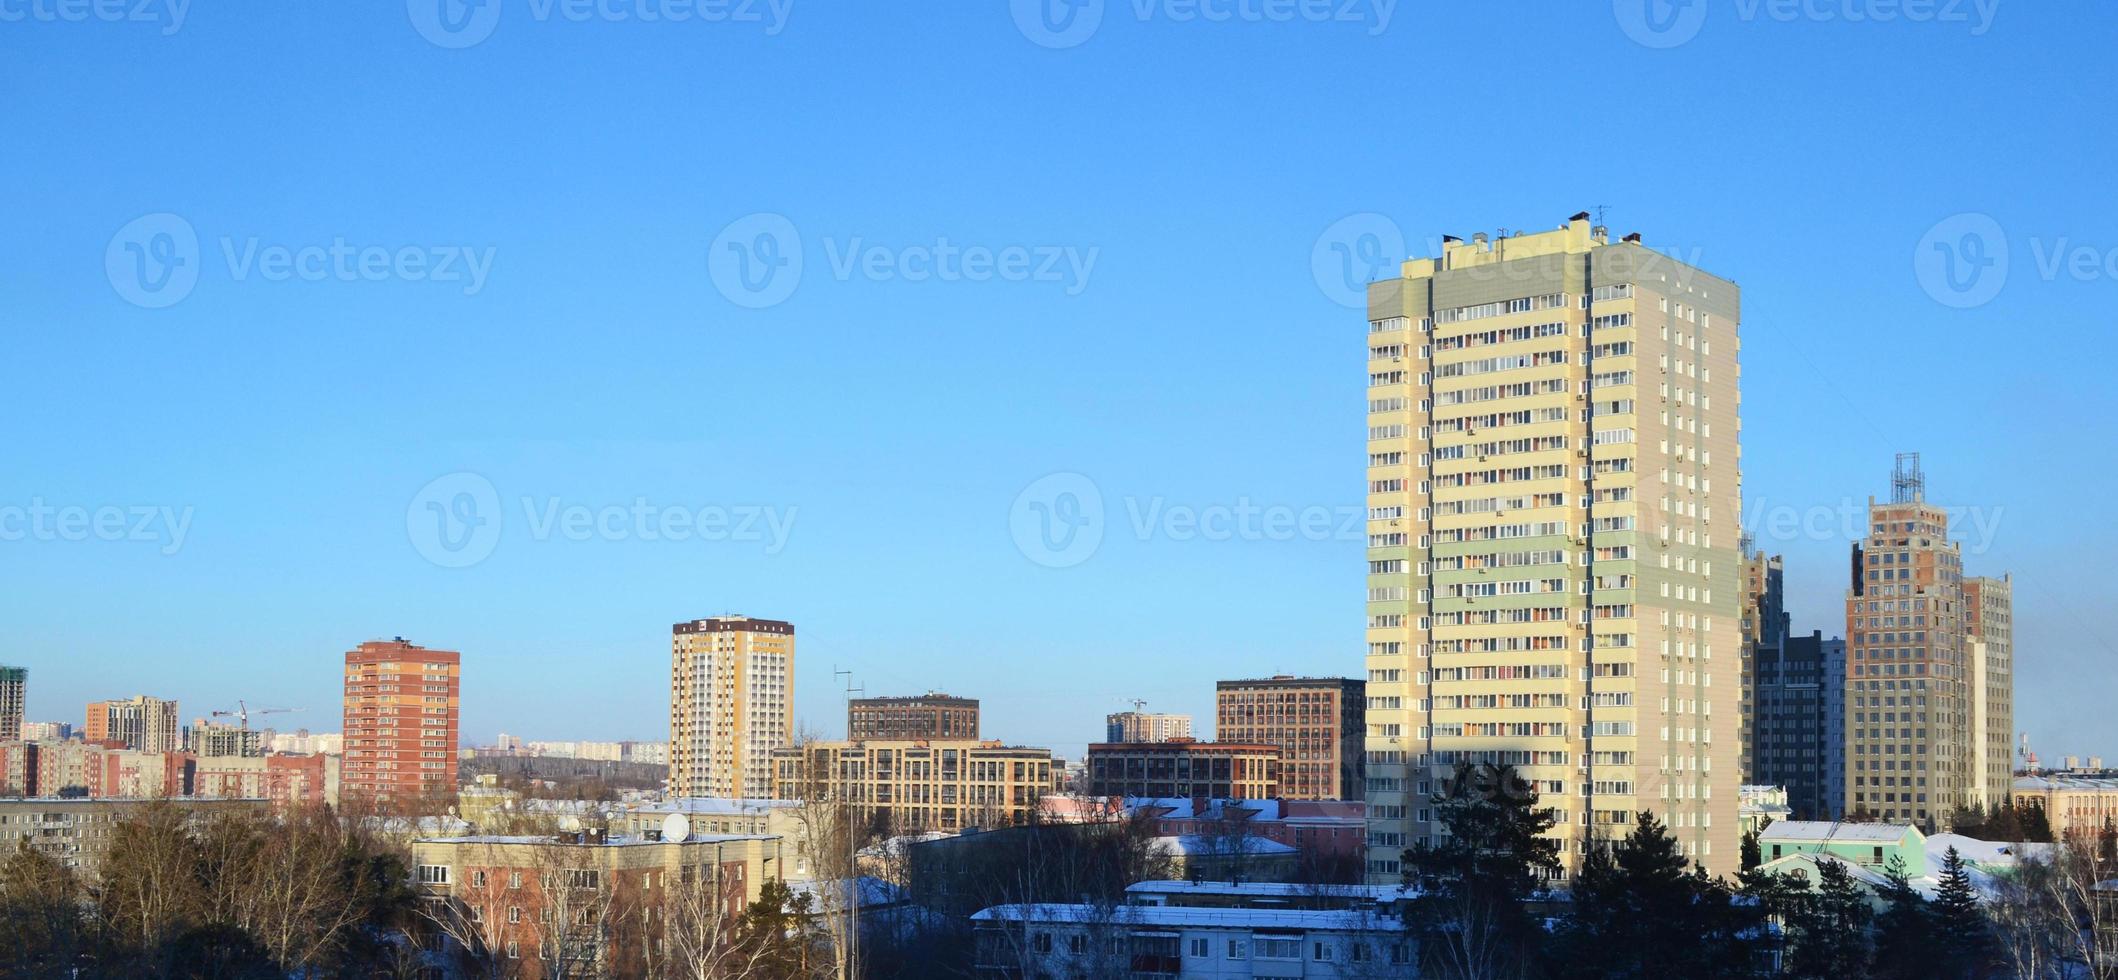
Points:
(1268, 889)
(564, 840)
(2067, 782)
(1825, 830)
(1172, 916)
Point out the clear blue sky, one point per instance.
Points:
(598, 360)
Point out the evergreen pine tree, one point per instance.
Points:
(1471, 915)
(1639, 912)
(1960, 925)
(1751, 854)
(1904, 932)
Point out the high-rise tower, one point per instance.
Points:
(731, 702)
(1554, 577)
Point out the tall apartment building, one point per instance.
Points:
(1765, 625)
(1918, 684)
(14, 696)
(140, 722)
(927, 716)
(1554, 578)
(1318, 723)
(1145, 726)
(1213, 770)
(919, 786)
(1989, 622)
(401, 715)
(731, 703)
(1798, 693)
(212, 739)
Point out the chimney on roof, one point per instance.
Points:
(1478, 238)
(1633, 238)
(1451, 240)
(1580, 216)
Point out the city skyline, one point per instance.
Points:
(280, 437)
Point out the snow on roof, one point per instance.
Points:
(2067, 782)
(1181, 808)
(1195, 845)
(1824, 830)
(713, 806)
(1174, 916)
(1267, 889)
(567, 840)
(1926, 885)
(1970, 848)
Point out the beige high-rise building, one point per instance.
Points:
(731, 702)
(1929, 690)
(1989, 619)
(140, 722)
(1554, 574)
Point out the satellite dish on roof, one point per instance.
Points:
(570, 823)
(676, 827)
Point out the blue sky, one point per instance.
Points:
(1020, 256)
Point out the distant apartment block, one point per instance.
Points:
(1764, 625)
(77, 832)
(141, 723)
(46, 731)
(1146, 726)
(1989, 628)
(207, 738)
(926, 716)
(304, 742)
(731, 704)
(919, 786)
(1554, 579)
(1922, 689)
(14, 696)
(94, 770)
(2076, 806)
(1798, 719)
(1318, 723)
(401, 715)
(1223, 770)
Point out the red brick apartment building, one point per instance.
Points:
(1318, 724)
(401, 707)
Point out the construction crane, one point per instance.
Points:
(243, 711)
(1138, 704)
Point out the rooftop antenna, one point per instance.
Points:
(1601, 210)
(1908, 484)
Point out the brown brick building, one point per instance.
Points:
(401, 705)
(1224, 770)
(929, 716)
(1318, 724)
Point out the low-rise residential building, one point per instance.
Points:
(1867, 845)
(286, 780)
(1761, 805)
(76, 831)
(1321, 830)
(1225, 770)
(46, 731)
(90, 770)
(1387, 899)
(2074, 805)
(919, 785)
(1025, 941)
(705, 815)
(590, 902)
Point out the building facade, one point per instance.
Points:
(919, 786)
(592, 905)
(14, 698)
(77, 832)
(2075, 806)
(731, 703)
(1765, 625)
(141, 723)
(1917, 687)
(1224, 770)
(1020, 942)
(932, 716)
(1319, 724)
(1554, 573)
(1145, 726)
(402, 704)
(207, 738)
(1989, 624)
(1798, 723)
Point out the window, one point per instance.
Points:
(1321, 952)
(514, 913)
(514, 952)
(477, 879)
(1238, 949)
(433, 874)
(1041, 942)
(1279, 949)
(1198, 948)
